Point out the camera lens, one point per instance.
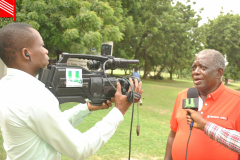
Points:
(92, 65)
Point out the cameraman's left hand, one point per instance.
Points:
(103, 106)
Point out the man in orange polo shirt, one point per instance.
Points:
(218, 104)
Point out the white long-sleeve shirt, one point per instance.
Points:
(33, 127)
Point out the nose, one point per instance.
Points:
(46, 51)
(197, 70)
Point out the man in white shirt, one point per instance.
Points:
(33, 127)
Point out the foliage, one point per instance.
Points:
(231, 72)
(223, 34)
(180, 42)
(73, 26)
(161, 35)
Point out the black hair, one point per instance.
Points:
(13, 38)
(136, 68)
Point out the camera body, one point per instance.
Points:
(76, 83)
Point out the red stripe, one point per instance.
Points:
(14, 10)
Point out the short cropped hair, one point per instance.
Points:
(13, 38)
(217, 57)
(136, 68)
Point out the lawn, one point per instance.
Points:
(154, 115)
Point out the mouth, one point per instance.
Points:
(197, 80)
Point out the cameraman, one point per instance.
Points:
(32, 125)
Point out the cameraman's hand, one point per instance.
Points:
(104, 106)
(121, 100)
(199, 121)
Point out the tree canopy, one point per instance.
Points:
(73, 26)
(223, 34)
(162, 34)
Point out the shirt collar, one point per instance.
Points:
(23, 75)
(218, 91)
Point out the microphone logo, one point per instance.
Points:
(190, 105)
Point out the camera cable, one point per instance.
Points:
(132, 92)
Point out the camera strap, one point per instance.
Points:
(137, 97)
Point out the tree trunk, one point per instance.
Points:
(226, 80)
(146, 67)
(140, 45)
(158, 73)
(170, 75)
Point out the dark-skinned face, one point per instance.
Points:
(39, 54)
(205, 74)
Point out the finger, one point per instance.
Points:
(104, 106)
(119, 88)
(113, 100)
(190, 111)
(188, 117)
(109, 103)
(130, 80)
(140, 87)
(136, 86)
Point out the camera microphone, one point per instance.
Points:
(114, 63)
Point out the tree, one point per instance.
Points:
(142, 19)
(231, 72)
(161, 35)
(223, 34)
(73, 26)
(181, 37)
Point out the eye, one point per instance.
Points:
(203, 67)
(193, 68)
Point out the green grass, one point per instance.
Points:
(154, 116)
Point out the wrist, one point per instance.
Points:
(202, 124)
(123, 107)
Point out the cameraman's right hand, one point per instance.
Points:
(121, 100)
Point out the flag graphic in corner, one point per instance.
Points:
(6, 8)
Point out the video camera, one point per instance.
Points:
(76, 83)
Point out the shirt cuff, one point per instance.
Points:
(211, 130)
(84, 108)
(115, 116)
(206, 128)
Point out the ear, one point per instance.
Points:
(23, 54)
(219, 73)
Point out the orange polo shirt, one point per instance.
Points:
(221, 107)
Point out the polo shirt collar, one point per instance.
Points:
(218, 91)
(23, 75)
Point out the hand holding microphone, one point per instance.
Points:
(196, 118)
